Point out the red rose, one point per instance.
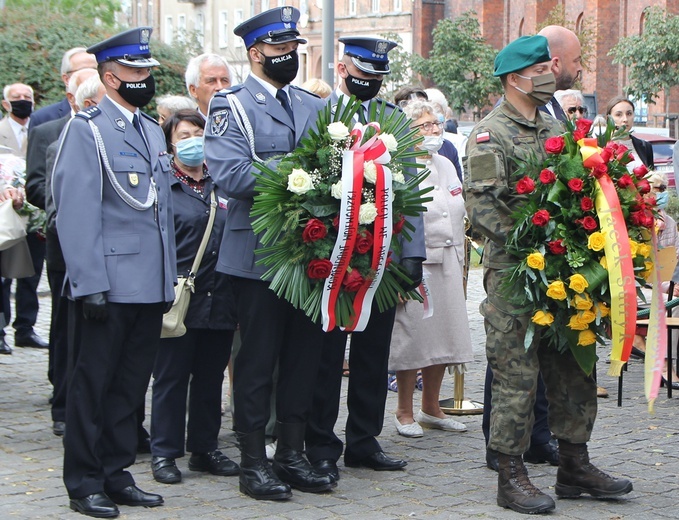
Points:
(606, 154)
(583, 125)
(575, 185)
(319, 268)
(586, 204)
(579, 134)
(554, 145)
(625, 181)
(547, 176)
(556, 247)
(647, 220)
(643, 186)
(640, 171)
(541, 217)
(589, 224)
(352, 281)
(314, 230)
(635, 218)
(619, 150)
(599, 170)
(364, 242)
(625, 159)
(398, 227)
(335, 222)
(525, 185)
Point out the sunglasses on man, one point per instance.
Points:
(582, 110)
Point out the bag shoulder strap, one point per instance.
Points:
(206, 235)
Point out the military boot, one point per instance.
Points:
(514, 489)
(290, 465)
(256, 477)
(576, 475)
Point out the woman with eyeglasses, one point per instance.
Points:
(573, 103)
(621, 110)
(442, 339)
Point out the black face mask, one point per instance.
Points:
(363, 89)
(22, 108)
(138, 94)
(281, 69)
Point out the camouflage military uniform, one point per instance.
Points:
(490, 199)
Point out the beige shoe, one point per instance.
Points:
(448, 424)
(408, 430)
(601, 391)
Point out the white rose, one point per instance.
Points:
(389, 141)
(336, 190)
(337, 131)
(370, 172)
(299, 181)
(398, 177)
(367, 213)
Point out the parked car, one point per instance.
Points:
(662, 153)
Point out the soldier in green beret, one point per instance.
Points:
(516, 129)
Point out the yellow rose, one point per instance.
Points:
(582, 302)
(536, 261)
(575, 323)
(649, 269)
(604, 263)
(633, 247)
(603, 309)
(645, 250)
(557, 290)
(543, 318)
(596, 241)
(578, 283)
(587, 316)
(586, 337)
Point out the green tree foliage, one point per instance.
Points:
(652, 58)
(400, 64)
(31, 49)
(461, 64)
(102, 10)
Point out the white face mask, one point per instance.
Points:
(432, 143)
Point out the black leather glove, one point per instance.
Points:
(412, 268)
(168, 307)
(94, 307)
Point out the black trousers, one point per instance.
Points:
(58, 344)
(541, 433)
(26, 295)
(112, 366)
(192, 364)
(367, 396)
(272, 330)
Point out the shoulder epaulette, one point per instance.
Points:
(89, 113)
(387, 103)
(144, 114)
(230, 90)
(305, 91)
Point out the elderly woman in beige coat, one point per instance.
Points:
(434, 335)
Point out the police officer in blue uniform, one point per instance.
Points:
(361, 70)
(115, 225)
(262, 119)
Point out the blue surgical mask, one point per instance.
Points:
(190, 151)
(661, 199)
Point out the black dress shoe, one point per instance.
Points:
(133, 496)
(543, 453)
(144, 445)
(165, 470)
(97, 505)
(638, 354)
(377, 461)
(327, 467)
(491, 459)
(58, 428)
(30, 340)
(214, 462)
(4, 347)
(663, 383)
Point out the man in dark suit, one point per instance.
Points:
(361, 70)
(74, 59)
(271, 329)
(36, 193)
(116, 230)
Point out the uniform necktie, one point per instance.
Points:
(361, 115)
(285, 103)
(136, 123)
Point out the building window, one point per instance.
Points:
(352, 7)
(169, 30)
(200, 29)
(376, 6)
(237, 20)
(398, 6)
(223, 29)
(281, 3)
(264, 5)
(149, 13)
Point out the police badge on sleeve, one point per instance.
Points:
(219, 122)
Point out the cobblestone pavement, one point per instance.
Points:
(445, 478)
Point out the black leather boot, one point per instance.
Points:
(515, 490)
(576, 475)
(290, 465)
(256, 477)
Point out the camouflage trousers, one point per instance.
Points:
(571, 393)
